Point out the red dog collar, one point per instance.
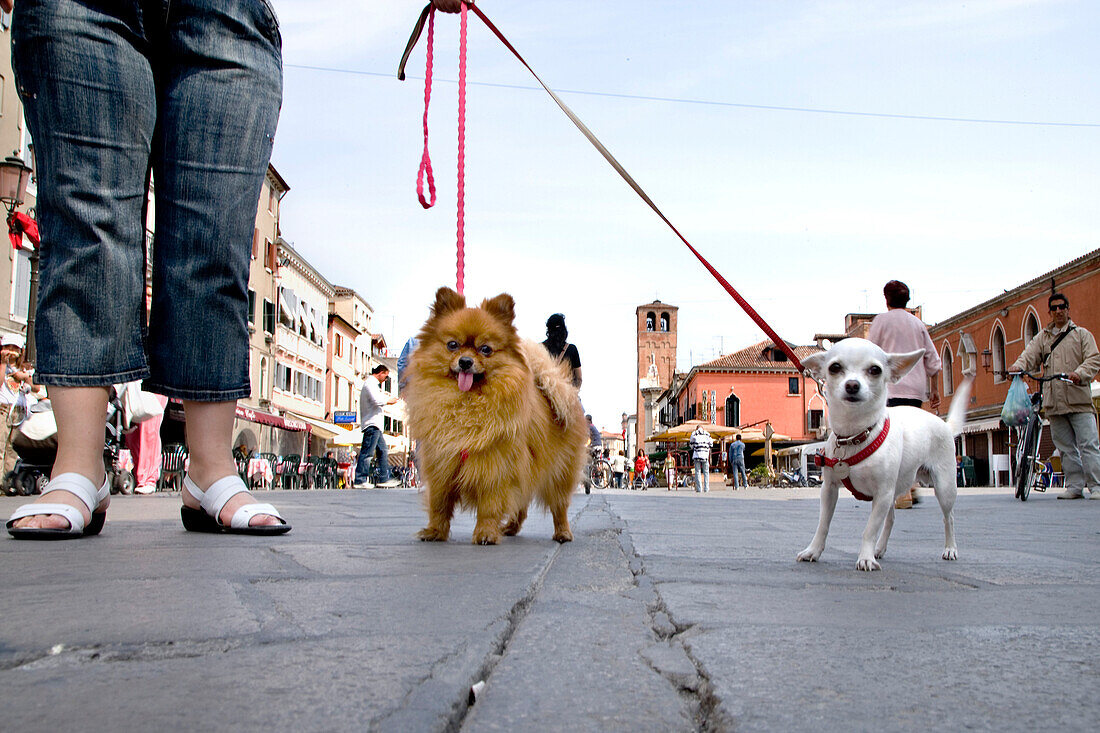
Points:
(843, 466)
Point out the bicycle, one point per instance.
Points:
(598, 473)
(1028, 467)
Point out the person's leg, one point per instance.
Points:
(1088, 446)
(706, 474)
(1062, 433)
(219, 83)
(90, 104)
(362, 461)
(144, 443)
(697, 465)
(81, 423)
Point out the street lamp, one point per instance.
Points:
(14, 177)
(987, 359)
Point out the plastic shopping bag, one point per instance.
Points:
(1017, 407)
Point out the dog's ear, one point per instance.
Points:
(900, 364)
(501, 307)
(815, 364)
(446, 301)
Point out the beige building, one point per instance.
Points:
(301, 339)
(262, 293)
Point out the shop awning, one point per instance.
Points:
(982, 426)
(266, 418)
(321, 428)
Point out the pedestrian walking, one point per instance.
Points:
(700, 444)
(618, 468)
(1065, 347)
(191, 91)
(371, 401)
(735, 457)
(897, 331)
(560, 348)
(641, 468)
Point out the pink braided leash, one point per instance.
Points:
(425, 160)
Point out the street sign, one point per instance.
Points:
(343, 418)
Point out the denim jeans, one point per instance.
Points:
(372, 442)
(1075, 435)
(187, 89)
(737, 473)
(702, 474)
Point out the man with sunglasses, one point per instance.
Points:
(1064, 347)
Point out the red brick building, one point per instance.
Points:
(755, 384)
(1000, 328)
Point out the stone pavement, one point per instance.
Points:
(672, 611)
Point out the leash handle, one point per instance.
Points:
(425, 169)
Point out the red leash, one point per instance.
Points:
(428, 11)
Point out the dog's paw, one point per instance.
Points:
(868, 564)
(810, 554)
(433, 534)
(564, 536)
(879, 552)
(486, 537)
(950, 553)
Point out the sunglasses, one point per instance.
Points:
(1059, 307)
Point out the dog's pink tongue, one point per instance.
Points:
(465, 381)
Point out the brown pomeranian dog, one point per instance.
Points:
(496, 420)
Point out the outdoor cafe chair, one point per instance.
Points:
(288, 472)
(173, 463)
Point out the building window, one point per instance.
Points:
(263, 378)
(251, 306)
(1031, 328)
(816, 419)
(20, 285)
(733, 411)
(282, 377)
(792, 385)
(948, 375)
(256, 243)
(998, 344)
(269, 255)
(650, 321)
(664, 322)
(269, 316)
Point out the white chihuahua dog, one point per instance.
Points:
(878, 452)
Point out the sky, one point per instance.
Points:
(810, 149)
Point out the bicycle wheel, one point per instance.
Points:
(1025, 466)
(601, 474)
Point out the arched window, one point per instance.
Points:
(664, 322)
(948, 371)
(263, 377)
(997, 343)
(650, 321)
(1031, 328)
(733, 411)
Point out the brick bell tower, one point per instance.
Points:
(656, 324)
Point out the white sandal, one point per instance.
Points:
(215, 498)
(80, 487)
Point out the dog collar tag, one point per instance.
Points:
(841, 470)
